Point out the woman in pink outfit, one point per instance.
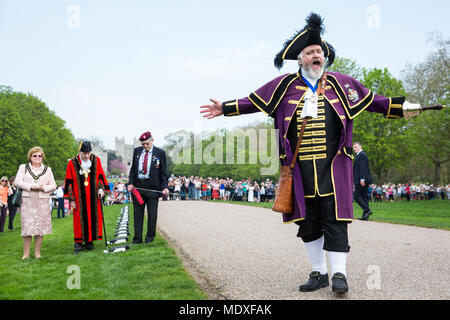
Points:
(37, 182)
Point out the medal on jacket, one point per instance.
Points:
(86, 176)
(36, 177)
(156, 159)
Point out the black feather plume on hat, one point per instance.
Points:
(315, 22)
(309, 35)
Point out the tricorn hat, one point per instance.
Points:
(85, 146)
(309, 35)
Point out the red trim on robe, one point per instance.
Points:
(87, 217)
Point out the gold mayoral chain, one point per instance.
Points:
(36, 177)
(86, 176)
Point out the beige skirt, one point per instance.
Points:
(35, 216)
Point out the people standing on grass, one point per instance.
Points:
(37, 183)
(4, 193)
(60, 199)
(362, 178)
(11, 208)
(148, 177)
(85, 185)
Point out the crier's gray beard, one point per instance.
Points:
(308, 72)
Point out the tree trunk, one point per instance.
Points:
(437, 173)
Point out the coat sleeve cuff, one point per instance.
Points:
(395, 110)
(230, 108)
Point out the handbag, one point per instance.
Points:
(284, 200)
(17, 198)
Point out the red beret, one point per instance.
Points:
(145, 136)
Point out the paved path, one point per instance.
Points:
(247, 252)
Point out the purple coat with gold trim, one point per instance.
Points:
(279, 99)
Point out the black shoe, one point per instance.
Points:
(339, 283)
(315, 282)
(366, 215)
(149, 240)
(78, 248)
(136, 241)
(89, 246)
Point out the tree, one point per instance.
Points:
(117, 165)
(348, 67)
(28, 122)
(206, 154)
(428, 83)
(384, 140)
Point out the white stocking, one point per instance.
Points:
(338, 262)
(317, 255)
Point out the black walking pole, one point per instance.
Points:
(103, 220)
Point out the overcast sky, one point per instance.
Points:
(119, 68)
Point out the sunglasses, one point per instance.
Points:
(4, 180)
(37, 155)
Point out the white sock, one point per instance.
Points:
(317, 255)
(338, 262)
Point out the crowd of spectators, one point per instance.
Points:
(408, 191)
(227, 189)
(118, 193)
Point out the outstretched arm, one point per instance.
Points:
(212, 110)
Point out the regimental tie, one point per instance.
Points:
(144, 164)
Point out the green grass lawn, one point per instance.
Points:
(145, 271)
(422, 213)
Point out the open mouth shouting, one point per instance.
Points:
(316, 64)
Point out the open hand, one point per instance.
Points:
(212, 110)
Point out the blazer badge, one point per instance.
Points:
(156, 160)
(351, 93)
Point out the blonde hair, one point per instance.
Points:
(35, 150)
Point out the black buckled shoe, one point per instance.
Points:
(89, 245)
(78, 248)
(315, 282)
(339, 283)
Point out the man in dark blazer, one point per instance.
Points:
(148, 172)
(362, 178)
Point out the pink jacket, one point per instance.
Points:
(24, 181)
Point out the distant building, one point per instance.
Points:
(103, 155)
(125, 151)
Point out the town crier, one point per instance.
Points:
(322, 176)
(85, 186)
